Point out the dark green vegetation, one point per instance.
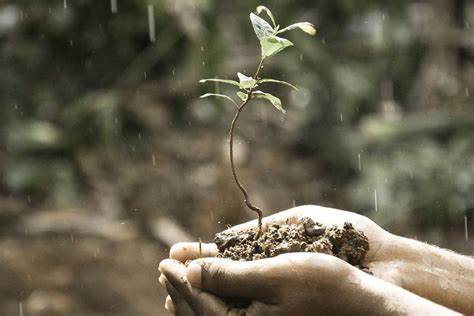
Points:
(102, 134)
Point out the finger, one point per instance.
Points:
(173, 299)
(320, 214)
(228, 278)
(169, 305)
(175, 273)
(290, 216)
(178, 304)
(330, 216)
(162, 280)
(185, 251)
(201, 303)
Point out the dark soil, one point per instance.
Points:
(346, 243)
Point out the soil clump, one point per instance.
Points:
(345, 242)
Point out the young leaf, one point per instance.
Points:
(232, 82)
(246, 82)
(207, 95)
(242, 96)
(304, 26)
(277, 81)
(276, 102)
(272, 45)
(261, 8)
(261, 27)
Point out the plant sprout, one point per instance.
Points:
(271, 44)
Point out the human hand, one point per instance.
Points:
(271, 285)
(379, 259)
(377, 239)
(296, 283)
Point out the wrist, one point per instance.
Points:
(381, 297)
(437, 274)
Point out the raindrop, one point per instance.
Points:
(65, 4)
(202, 48)
(20, 309)
(467, 92)
(151, 23)
(359, 162)
(294, 203)
(96, 252)
(341, 118)
(113, 6)
(144, 75)
(203, 63)
(301, 57)
(153, 160)
(71, 43)
(466, 233)
(376, 202)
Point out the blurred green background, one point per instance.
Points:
(108, 156)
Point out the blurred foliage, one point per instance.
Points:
(78, 78)
(97, 119)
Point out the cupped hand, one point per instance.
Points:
(296, 283)
(288, 284)
(378, 259)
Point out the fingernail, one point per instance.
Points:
(193, 274)
(162, 280)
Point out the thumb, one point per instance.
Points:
(237, 279)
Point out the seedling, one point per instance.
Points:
(271, 44)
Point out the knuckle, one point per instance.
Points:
(216, 274)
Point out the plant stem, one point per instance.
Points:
(231, 152)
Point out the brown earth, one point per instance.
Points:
(346, 243)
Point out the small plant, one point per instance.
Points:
(270, 44)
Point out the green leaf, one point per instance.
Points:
(272, 45)
(304, 26)
(276, 102)
(232, 82)
(277, 81)
(207, 95)
(261, 8)
(261, 27)
(242, 96)
(246, 82)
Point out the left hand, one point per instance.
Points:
(298, 283)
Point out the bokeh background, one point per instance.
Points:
(108, 156)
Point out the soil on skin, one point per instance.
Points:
(345, 242)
